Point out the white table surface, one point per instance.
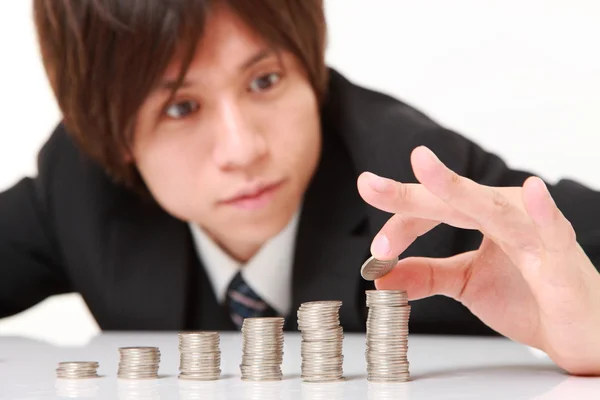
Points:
(441, 368)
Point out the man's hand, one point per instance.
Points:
(529, 280)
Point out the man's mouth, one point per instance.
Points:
(254, 196)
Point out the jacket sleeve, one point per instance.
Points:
(30, 264)
(579, 204)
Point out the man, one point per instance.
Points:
(207, 167)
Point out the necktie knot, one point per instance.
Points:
(243, 302)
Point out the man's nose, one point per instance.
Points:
(238, 142)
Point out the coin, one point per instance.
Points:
(374, 269)
(138, 362)
(200, 356)
(77, 369)
(387, 336)
(262, 349)
(322, 340)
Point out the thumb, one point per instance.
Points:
(423, 277)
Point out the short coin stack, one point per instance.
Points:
(139, 362)
(262, 349)
(77, 370)
(387, 336)
(200, 356)
(322, 341)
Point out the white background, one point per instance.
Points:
(519, 77)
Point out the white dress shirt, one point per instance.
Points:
(268, 272)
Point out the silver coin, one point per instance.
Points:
(75, 371)
(139, 350)
(262, 349)
(265, 378)
(386, 353)
(202, 377)
(377, 299)
(264, 321)
(76, 376)
(266, 357)
(396, 378)
(78, 364)
(323, 350)
(374, 269)
(323, 378)
(322, 341)
(200, 355)
(138, 362)
(387, 326)
(325, 364)
(133, 374)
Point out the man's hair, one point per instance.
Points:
(103, 57)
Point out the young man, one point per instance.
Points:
(207, 167)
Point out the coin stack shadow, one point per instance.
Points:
(77, 370)
(200, 356)
(322, 341)
(139, 362)
(387, 336)
(262, 349)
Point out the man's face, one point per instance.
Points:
(235, 149)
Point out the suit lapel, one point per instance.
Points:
(148, 257)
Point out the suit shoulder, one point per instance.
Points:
(364, 107)
(58, 152)
(71, 178)
(380, 132)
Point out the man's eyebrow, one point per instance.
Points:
(171, 84)
(257, 57)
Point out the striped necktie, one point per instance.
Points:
(243, 302)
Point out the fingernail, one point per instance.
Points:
(431, 154)
(381, 245)
(544, 188)
(378, 183)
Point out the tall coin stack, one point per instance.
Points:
(139, 362)
(262, 349)
(200, 356)
(77, 370)
(322, 341)
(387, 336)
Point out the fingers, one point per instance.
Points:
(496, 214)
(399, 232)
(555, 231)
(410, 200)
(424, 277)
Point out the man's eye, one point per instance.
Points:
(181, 110)
(264, 82)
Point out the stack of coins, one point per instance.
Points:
(139, 362)
(200, 356)
(387, 336)
(262, 349)
(77, 370)
(322, 341)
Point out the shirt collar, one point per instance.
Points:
(268, 272)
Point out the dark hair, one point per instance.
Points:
(103, 57)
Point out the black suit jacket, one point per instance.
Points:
(71, 229)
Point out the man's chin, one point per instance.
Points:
(260, 232)
(260, 229)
